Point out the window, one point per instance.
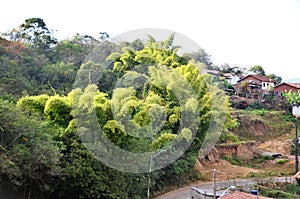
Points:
(264, 84)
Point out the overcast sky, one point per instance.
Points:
(237, 32)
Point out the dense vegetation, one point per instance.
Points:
(144, 96)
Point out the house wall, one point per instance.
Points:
(252, 93)
(284, 87)
(267, 85)
(256, 88)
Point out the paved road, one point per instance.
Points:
(184, 192)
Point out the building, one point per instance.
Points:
(197, 193)
(242, 195)
(231, 78)
(286, 87)
(254, 86)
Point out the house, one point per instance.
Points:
(231, 78)
(286, 87)
(254, 86)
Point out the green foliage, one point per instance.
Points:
(258, 70)
(58, 110)
(255, 105)
(149, 97)
(59, 76)
(268, 123)
(228, 137)
(280, 190)
(277, 80)
(281, 161)
(162, 140)
(292, 188)
(35, 103)
(200, 56)
(233, 161)
(29, 156)
(33, 32)
(226, 68)
(293, 149)
(292, 97)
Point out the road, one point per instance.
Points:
(184, 192)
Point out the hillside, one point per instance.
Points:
(259, 131)
(262, 125)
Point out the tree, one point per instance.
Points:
(293, 98)
(258, 70)
(226, 68)
(29, 155)
(157, 100)
(103, 36)
(71, 51)
(34, 31)
(200, 56)
(277, 80)
(59, 77)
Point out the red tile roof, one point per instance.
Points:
(295, 85)
(259, 77)
(242, 195)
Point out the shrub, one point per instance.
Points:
(255, 105)
(233, 161)
(281, 161)
(228, 137)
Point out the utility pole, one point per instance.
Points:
(150, 170)
(149, 179)
(215, 184)
(296, 149)
(296, 113)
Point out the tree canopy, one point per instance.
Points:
(140, 97)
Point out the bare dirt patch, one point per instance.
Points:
(226, 170)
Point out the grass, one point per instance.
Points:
(233, 160)
(281, 161)
(262, 125)
(257, 161)
(280, 190)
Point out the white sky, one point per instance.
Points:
(237, 32)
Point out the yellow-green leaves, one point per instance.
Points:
(36, 103)
(292, 97)
(162, 140)
(58, 109)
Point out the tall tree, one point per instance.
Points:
(159, 101)
(277, 80)
(258, 70)
(103, 36)
(34, 32)
(200, 56)
(29, 156)
(226, 68)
